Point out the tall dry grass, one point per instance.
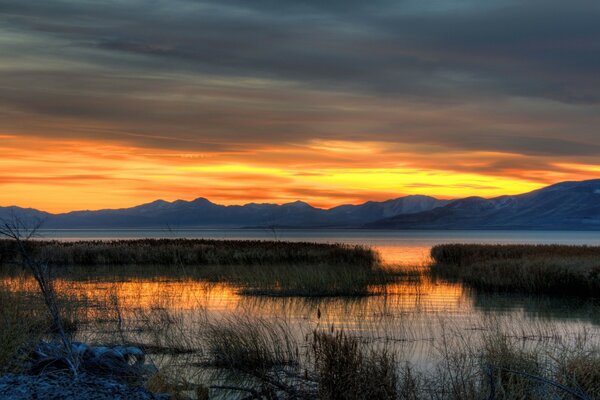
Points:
(250, 344)
(346, 369)
(190, 252)
(21, 327)
(537, 269)
(256, 267)
(494, 363)
(269, 356)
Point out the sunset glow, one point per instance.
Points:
(64, 175)
(311, 102)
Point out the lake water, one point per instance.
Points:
(403, 247)
(412, 314)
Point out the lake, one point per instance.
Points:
(403, 247)
(413, 315)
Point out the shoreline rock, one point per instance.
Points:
(65, 386)
(118, 362)
(116, 372)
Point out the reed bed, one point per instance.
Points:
(20, 329)
(257, 356)
(257, 267)
(345, 368)
(190, 252)
(535, 269)
(493, 363)
(270, 356)
(250, 344)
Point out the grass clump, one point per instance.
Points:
(335, 365)
(251, 344)
(582, 372)
(579, 367)
(347, 370)
(536, 269)
(510, 368)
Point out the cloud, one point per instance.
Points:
(546, 49)
(501, 87)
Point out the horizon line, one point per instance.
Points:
(291, 202)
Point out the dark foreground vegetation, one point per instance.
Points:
(257, 267)
(535, 269)
(265, 358)
(336, 365)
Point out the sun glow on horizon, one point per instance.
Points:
(65, 175)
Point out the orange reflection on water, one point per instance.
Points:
(188, 296)
(405, 255)
(170, 294)
(175, 295)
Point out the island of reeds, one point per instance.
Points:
(256, 267)
(537, 269)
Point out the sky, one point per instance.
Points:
(108, 104)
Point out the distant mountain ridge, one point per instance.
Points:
(203, 213)
(566, 205)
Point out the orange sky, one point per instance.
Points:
(113, 104)
(62, 175)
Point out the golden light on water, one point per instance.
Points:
(193, 296)
(189, 296)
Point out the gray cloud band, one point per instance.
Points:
(217, 75)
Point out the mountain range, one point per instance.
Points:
(566, 205)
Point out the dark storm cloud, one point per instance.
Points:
(214, 74)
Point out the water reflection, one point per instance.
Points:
(538, 307)
(411, 314)
(423, 300)
(404, 247)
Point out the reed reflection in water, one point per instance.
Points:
(409, 313)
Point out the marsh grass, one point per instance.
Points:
(348, 369)
(271, 357)
(497, 362)
(326, 364)
(469, 253)
(310, 280)
(255, 267)
(251, 344)
(20, 328)
(191, 252)
(506, 362)
(536, 269)
(582, 371)
(579, 366)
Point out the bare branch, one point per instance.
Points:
(21, 233)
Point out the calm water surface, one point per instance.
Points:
(411, 314)
(406, 247)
